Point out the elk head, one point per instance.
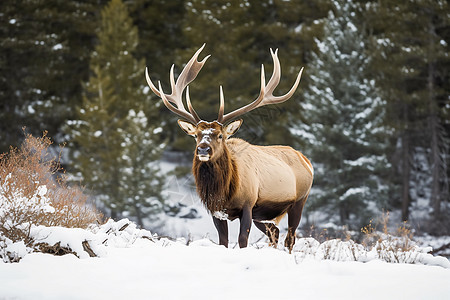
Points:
(210, 136)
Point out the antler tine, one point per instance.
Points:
(266, 94)
(188, 74)
(276, 74)
(275, 79)
(171, 107)
(221, 107)
(150, 83)
(191, 70)
(191, 109)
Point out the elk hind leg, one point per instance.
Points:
(270, 229)
(294, 216)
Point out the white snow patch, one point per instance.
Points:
(157, 130)
(220, 215)
(353, 191)
(58, 47)
(158, 268)
(206, 139)
(208, 131)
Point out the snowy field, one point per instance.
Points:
(133, 264)
(117, 260)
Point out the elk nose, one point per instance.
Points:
(203, 150)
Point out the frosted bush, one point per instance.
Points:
(339, 250)
(13, 199)
(20, 209)
(31, 195)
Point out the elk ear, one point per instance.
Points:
(231, 128)
(189, 128)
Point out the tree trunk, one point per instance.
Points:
(138, 215)
(406, 170)
(433, 124)
(433, 120)
(114, 214)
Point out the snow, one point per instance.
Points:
(134, 267)
(221, 215)
(208, 131)
(31, 110)
(58, 47)
(157, 130)
(353, 191)
(34, 204)
(133, 263)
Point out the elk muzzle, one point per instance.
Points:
(203, 153)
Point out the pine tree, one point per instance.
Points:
(44, 53)
(117, 149)
(347, 139)
(97, 135)
(410, 42)
(142, 181)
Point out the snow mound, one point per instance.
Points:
(386, 250)
(84, 243)
(120, 234)
(97, 241)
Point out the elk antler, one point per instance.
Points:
(265, 95)
(188, 74)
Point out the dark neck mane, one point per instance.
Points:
(216, 181)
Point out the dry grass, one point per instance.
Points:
(377, 241)
(394, 247)
(34, 191)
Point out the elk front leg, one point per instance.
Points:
(246, 224)
(222, 229)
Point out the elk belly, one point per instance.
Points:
(270, 212)
(277, 183)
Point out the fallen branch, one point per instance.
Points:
(88, 249)
(441, 249)
(56, 249)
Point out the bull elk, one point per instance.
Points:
(233, 178)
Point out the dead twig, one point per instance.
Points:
(88, 249)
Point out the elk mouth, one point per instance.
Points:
(203, 153)
(203, 157)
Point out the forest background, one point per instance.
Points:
(372, 110)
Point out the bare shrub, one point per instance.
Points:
(394, 247)
(33, 192)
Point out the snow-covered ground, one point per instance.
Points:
(133, 264)
(206, 271)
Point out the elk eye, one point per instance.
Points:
(220, 136)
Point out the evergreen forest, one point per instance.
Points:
(372, 111)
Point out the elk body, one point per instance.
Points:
(234, 178)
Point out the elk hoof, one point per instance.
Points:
(289, 242)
